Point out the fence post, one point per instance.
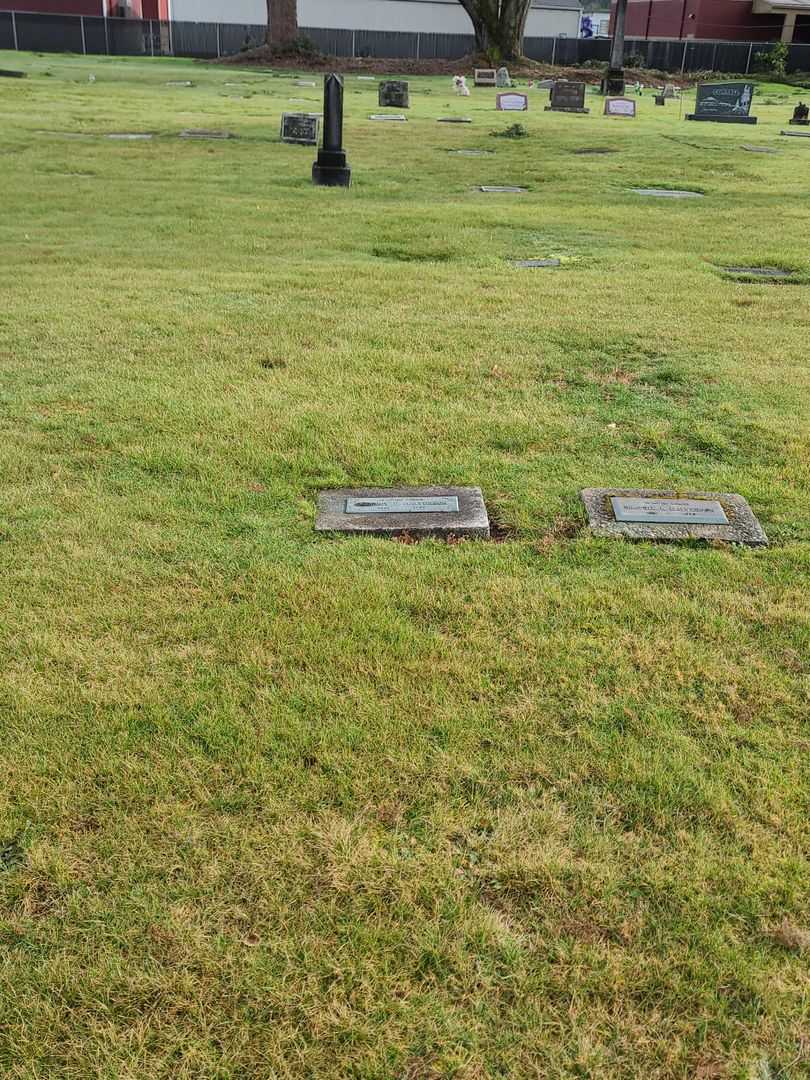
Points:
(748, 61)
(14, 31)
(714, 58)
(84, 39)
(553, 50)
(418, 39)
(106, 36)
(354, 37)
(219, 41)
(683, 61)
(152, 36)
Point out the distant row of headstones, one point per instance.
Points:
(728, 103)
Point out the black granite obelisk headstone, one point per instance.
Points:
(331, 169)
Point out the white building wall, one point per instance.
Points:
(427, 16)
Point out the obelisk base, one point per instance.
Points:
(331, 169)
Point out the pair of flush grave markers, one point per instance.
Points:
(461, 512)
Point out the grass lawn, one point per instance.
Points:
(278, 805)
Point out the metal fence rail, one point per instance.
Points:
(90, 35)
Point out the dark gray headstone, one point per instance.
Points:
(394, 94)
(724, 103)
(672, 515)
(567, 97)
(300, 128)
(331, 168)
(418, 512)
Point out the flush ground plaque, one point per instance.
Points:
(672, 515)
(429, 511)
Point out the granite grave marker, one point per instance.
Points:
(567, 97)
(331, 168)
(512, 102)
(724, 103)
(394, 94)
(620, 107)
(417, 512)
(672, 515)
(300, 128)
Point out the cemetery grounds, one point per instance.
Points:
(284, 805)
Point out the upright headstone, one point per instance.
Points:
(724, 103)
(394, 93)
(502, 80)
(512, 102)
(567, 97)
(669, 92)
(620, 107)
(331, 168)
(801, 115)
(485, 77)
(300, 128)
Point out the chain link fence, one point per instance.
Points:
(90, 35)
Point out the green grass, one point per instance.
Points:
(277, 805)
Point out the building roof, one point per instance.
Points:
(781, 7)
(566, 5)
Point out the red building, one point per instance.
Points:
(719, 20)
(129, 9)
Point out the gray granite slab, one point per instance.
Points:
(454, 120)
(526, 264)
(759, 150)
(129, 136)
(644, 514)
(387, 116)
(758, 271)
(472, 153)
(502, 190)
(796, 134)
(204, 133)
(668, 193)
(413, 511)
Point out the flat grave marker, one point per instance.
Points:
(300, 128)
(526, 264)
(388, 116)
(512, 102)
(796, 134)
(760, 150)
(129, 135)
(724, 103)
(567, 97)
(417, 511)
(179, 83)
(454, 120)
(667, 193)
(204, 133)
(621, 106)
(757, 271)
(670, 515)
(502, 189)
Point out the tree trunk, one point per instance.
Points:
(499, 26)
(282, 21)
(617, 46)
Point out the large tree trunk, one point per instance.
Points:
(617, 46)
(499, 26)
(282, 21)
